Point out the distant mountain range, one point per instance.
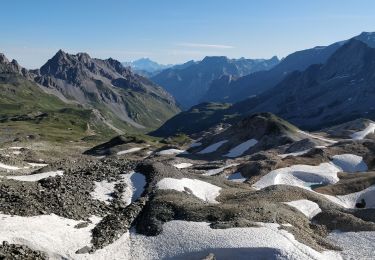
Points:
(146, 67)
(339, 88)
(234, 90)
(121, 100)
(190, 82)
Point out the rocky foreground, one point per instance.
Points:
(259, 189)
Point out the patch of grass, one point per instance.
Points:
(21, 101)
(178, 139)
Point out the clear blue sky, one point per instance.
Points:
(174, 31)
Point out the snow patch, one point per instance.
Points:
(317, 137)
(300, 175)
(182, 165)
(135, 185)
(103, 191)
(370, 129)
(201, 189)
(36, 177)
(236, 177)
(294, 154)
(213, 147)
(131, 150)
(15, 148)
(309, 208)
(350, 163)
(219, 170)
(49, 233)
(304, 175)
(8, 167)
(349, 200)
(241, 148)
(38, 164)
(195, 144)
(170, 152)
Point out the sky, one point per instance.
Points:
(175, 31)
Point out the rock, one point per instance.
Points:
(210, 256)
(84, 250)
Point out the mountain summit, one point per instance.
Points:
(109, 87)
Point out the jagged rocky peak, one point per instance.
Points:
(84, 57)
(7, 66)
(3, 58)
(75, 67)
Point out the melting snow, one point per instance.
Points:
(349, 200)
(294, 154)
(36, 177)
(362, 134)
(219, 170)
(103, 191)
(136, 183)
(304, 175)
(15, 148)
(195, 144)
(8, 167)
(350, 163)
(179, 240)
(195, 240)
(241, 148)
(318, 137)
(309, 208)
(182, 165)
(58, 237)
(131, 150)
(355, 245)
(236, 177)
(203, 190)
(37, 164)
(170, 152)
(213, 147)
(300, 175)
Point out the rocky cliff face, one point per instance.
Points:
(109, 87)
(7, 66)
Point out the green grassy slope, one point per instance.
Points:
(26, 110)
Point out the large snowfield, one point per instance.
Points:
(179, 240)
